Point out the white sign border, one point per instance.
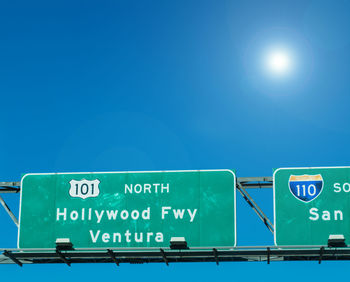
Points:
(152, 171)
(274, 199)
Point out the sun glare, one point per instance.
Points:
(278, 62)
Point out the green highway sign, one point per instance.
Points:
(310, 204)
(128, 209)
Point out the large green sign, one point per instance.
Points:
(128, 209)
(310, 204)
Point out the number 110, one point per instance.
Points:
(310, 190)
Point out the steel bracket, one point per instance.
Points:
(10, 256)
(62, 257)
(215, 251)
(164, 257)
(112, 255)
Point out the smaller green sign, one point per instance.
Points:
(310, 204)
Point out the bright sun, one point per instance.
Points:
(278, 62)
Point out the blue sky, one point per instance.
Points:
(161, 85)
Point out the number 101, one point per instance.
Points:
(84, 189)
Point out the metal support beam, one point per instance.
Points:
(10, 184)
(9, 187)
(9, 255)
(62, 257)
(255, 207)
(164, 257)
(7, 209)
(112, 255)
(255, 179)
(255, 182)
(247, 182)
(6, 190)
(265, 254)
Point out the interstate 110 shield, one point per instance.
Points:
(128, 209)
(310, 204)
